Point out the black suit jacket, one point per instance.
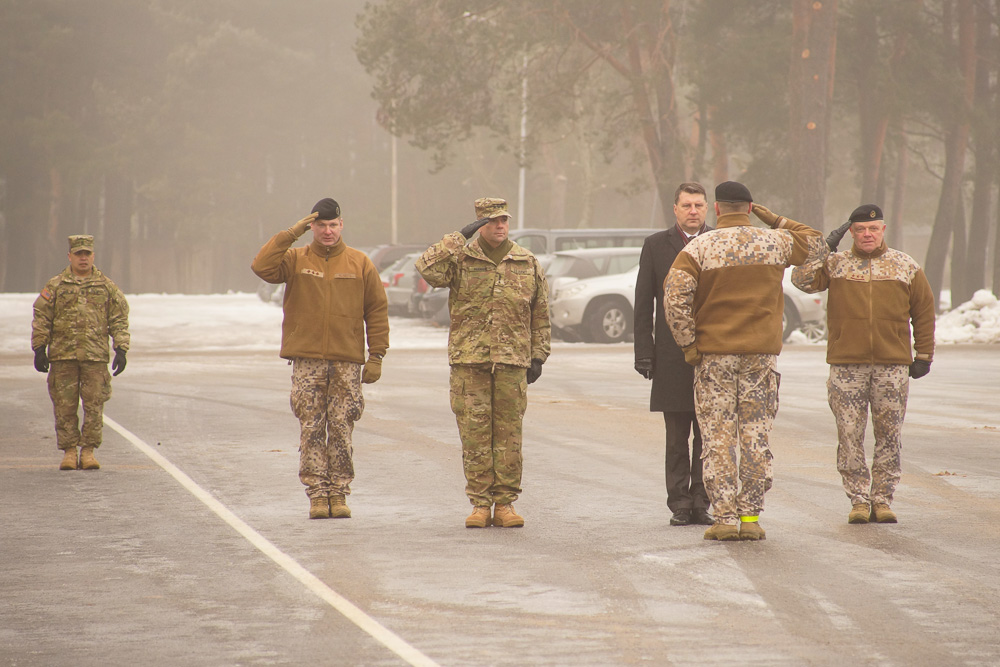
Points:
(673, 378)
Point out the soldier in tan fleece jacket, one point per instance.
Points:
(333, 301)
(875, 292)
(723, 301)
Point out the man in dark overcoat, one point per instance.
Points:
(658, 358)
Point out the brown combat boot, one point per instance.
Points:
(319, 508)
(859, 513)
(339, 508)
(480, 517)
(69, 461)
(751, 530)
(722, 531)
(882, 514)
(505, 517)
(87, 460)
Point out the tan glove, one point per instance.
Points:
(691, 353)
(372, 371)
(765, 215)
(299, 228)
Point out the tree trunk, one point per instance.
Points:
(811, 78)
(895, 222)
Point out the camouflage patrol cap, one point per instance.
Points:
(866, 213)
(81, 242)
(490, 207)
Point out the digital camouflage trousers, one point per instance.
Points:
(69, 383)
(736, 399)
(327, 399)
(489, 403)
(851, 389)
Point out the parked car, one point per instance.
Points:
(600, 310)
(547, 241)
(568, 265)
(399, 280)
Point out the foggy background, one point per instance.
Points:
(184, 133)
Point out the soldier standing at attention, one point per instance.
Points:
(74, 316)
(658, 358)
(333, 299)
(498, 340)
(875, 292)
(724, 304)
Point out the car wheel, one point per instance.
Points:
(789, 320)
(608, 321)
(814, 330)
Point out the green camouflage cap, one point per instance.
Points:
(79, 242)
(489, 207)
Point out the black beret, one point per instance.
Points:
(866, 213)
(732, 191)
(327, 208)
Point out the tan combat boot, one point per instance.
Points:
(505, 517)
(882, 514)
(722, 531)
(859, 513)
(319, 508)
(480, 518)
(87, 460)
(339, 508)
(751, 530)
(69, 461)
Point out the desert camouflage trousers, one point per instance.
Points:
(69, 383)
(327, 399)
(851, 389)
(489, 402)
(736, 399)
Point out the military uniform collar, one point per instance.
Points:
(877, 252)
(69, 276)
(326, 252)
(516, 252)
(732, 220)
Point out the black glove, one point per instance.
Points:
(118, 365)
(833, 240)
(644, 367)
(919, 368)
(473, 227)
(535, 371)
(41, 360)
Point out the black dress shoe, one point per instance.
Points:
(702, 517)
(681, 518)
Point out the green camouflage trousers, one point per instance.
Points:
(69, 382)
(851, 389)
(327, 399)
(736, 399)
(489, 402)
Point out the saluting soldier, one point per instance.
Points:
(498, 340)
(875, 292)
(76, 313)
(724, 304)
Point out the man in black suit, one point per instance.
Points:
(658, 358)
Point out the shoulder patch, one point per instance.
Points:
(46, 294)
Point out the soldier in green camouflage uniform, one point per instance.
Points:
(875, 292)
(74, 315)
(498, 341)
(724, 302)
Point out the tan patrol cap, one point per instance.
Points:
(490, 207)
(80, 242)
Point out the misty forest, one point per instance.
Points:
(184, 133)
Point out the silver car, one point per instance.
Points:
(398, 280)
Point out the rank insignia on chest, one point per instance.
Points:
(313, 272)
(858, 276)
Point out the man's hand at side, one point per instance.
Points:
(644, 367)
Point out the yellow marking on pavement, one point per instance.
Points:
(348, 609)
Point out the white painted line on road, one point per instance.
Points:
(351, 612)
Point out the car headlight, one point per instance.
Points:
(566, 292)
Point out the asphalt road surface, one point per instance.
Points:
(191, 545)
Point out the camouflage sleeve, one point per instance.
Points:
(44, 314)
(541, 328)
(812, 276)
(273, 262)
(118, 318)
(679, 289)
(437, 265)
(376, 311)
(807, 243)
(922, 314)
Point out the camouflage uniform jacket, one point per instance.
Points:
(872, 299)
(499, 312)
(334, 299)
(723, 291)
(74, 317)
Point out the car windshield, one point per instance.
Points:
(573, 267)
